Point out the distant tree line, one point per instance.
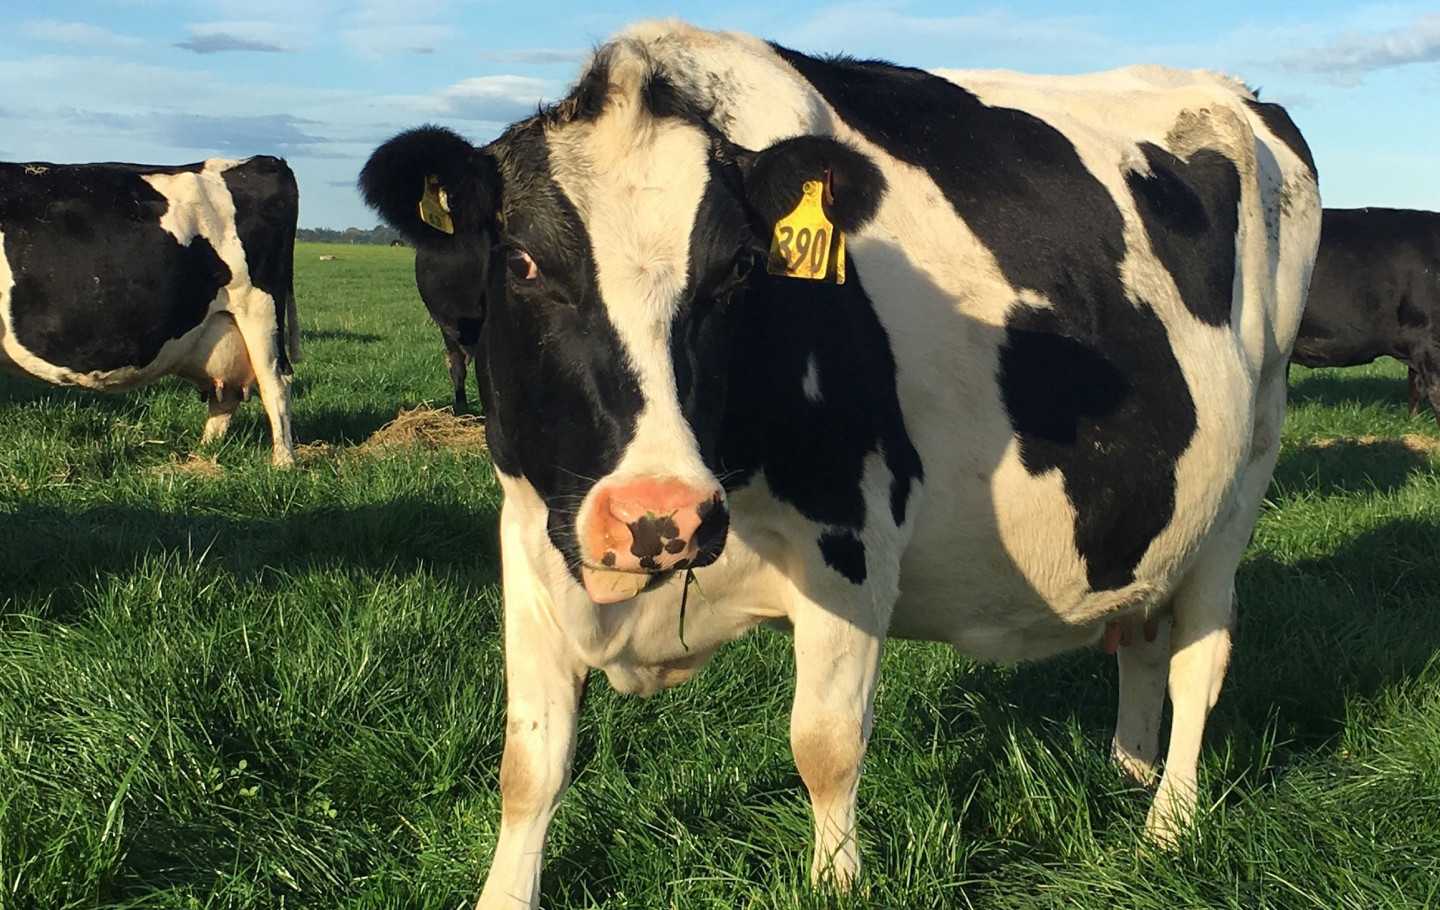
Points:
(379, 234)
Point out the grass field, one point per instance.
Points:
(225, 685)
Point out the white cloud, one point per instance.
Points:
(490, 99)
(76, 33)
(1350, 56)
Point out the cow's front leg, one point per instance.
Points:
(837, 662)
(456, 362)
(543, 684)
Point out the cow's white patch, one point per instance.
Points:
(810, 382)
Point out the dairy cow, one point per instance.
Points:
(451, 281)
(1040, 410)
(1376, 292)
(113, 275)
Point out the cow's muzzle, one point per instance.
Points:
(638, 529)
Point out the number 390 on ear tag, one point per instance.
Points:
(434, 206)
(802, 242)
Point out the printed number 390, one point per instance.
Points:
(814, 247)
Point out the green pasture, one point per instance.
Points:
(226, 685)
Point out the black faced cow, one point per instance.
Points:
(451, 280)
(116, 274)
(1044, 403)
(1376, 292)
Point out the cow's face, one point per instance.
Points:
(627, 237)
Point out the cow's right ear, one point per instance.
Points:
(775, 179)
(462, 184)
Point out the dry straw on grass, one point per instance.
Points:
(429, 428)
(1421, 445)
(193, 466)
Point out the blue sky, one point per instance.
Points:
(322, 83)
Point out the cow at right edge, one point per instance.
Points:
(1375, 293)
(1041, 411)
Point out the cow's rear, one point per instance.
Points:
(113, 275)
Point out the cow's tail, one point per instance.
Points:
(292, 328)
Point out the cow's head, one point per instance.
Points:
(624, 234)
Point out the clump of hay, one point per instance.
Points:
(429, 428)
(1415, 442)
(192, 466)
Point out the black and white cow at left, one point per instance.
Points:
(1042, 410)
(113, 275)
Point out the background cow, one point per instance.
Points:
(1042, 408)
(1376, 292)
(113, 275)
(451, 281)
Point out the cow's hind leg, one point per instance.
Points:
(1203, 610)
(1144, 662)
(1425, 385)
(837, 663)
(256, 317)
(1200, 654)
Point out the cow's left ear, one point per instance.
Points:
(775, 180)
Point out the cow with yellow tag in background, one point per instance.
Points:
(981, 358)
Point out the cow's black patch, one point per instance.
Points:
(845, 553)
(99, 285)
(1077, 408)
(267, 204)
(560, 398)
(1191, 211)
(1277, 119)
(648, 535)
(1020, 185)
(813, 454)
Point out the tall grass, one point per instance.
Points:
(233, 686)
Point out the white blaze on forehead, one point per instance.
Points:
(637, 184)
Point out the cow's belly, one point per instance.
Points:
(993, 566)
(212, 351)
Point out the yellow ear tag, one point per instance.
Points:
(801, 244)
(434, 207)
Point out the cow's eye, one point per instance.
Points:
(521, 266)
(743, 264)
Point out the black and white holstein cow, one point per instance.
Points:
(114, 275)
(1042, 409)
(1376, 292)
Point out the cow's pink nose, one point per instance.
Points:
(651, 525)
